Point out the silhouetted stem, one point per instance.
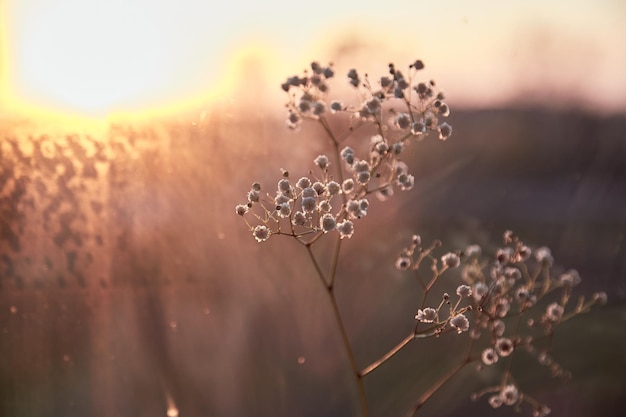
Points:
(436, 386)
(348, 347)
(335, 262)
(388, 355)
(342, 330)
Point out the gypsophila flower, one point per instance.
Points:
(345, 229)
(241, 209)
(348, 186)
(281, 199)
(328, 222)
(299, 218)
(363, 177)
(406, 181)
(445, 130)
(495, 401)
(253, 196)
(472, 251)
(480, 290)
(512, 273)
(544, 256)
(451, 260)
(357, 209)
(554, 312)
(303, 183)
(523, 253)
(261, 233)
(416, 240)
(509, 395)
(570, 278)
(498, 327)
(397, 148)
(309, 204)
(319, 187)
(284, 186)
(600, 297)
(284, 210)
(403, 263)
(336, 106)
(443, 108)
(333, 188)
(460, 323)
(503, 255)
(489, 356)
(504, 346)
(304, 105)
(324, 206)
(373, 105)
(464, 291)
(403, 121)
(418, 128)
(309, 192)
(427, 315)
(322, 161)
(361, 166)
(293, 119)
(521, 295)
(502, 307)
(319, 108)
(348, 155)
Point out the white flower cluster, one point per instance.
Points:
(511, 284)
(305, 207)
(323, 205)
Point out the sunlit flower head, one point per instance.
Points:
(328, 223)
(303, 183)
(451, 260)
(322, 161)
(261, 233)
(345, 229)
(489, 356)
(544, 256)
(403, 263)
(241, 209)
(427, 315)
(509, 394)
(299, 218)
(460, 323)
(504, 346)
(464, 291)
(333, 188)
(445, 130)
(554, 312)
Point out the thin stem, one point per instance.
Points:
(348, 347)
(316, 265)
(335, 262)
(342, 330)
(441, 382)
(388, 355)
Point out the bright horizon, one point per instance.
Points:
(94, 59)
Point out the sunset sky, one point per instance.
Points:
(96, 57)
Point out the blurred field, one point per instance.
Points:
(128, 285)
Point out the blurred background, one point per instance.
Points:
(130, 130)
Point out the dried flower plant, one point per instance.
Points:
(503, 304)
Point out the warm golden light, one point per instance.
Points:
(95, 59)
(151, 57)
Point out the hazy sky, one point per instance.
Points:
(97, 56)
